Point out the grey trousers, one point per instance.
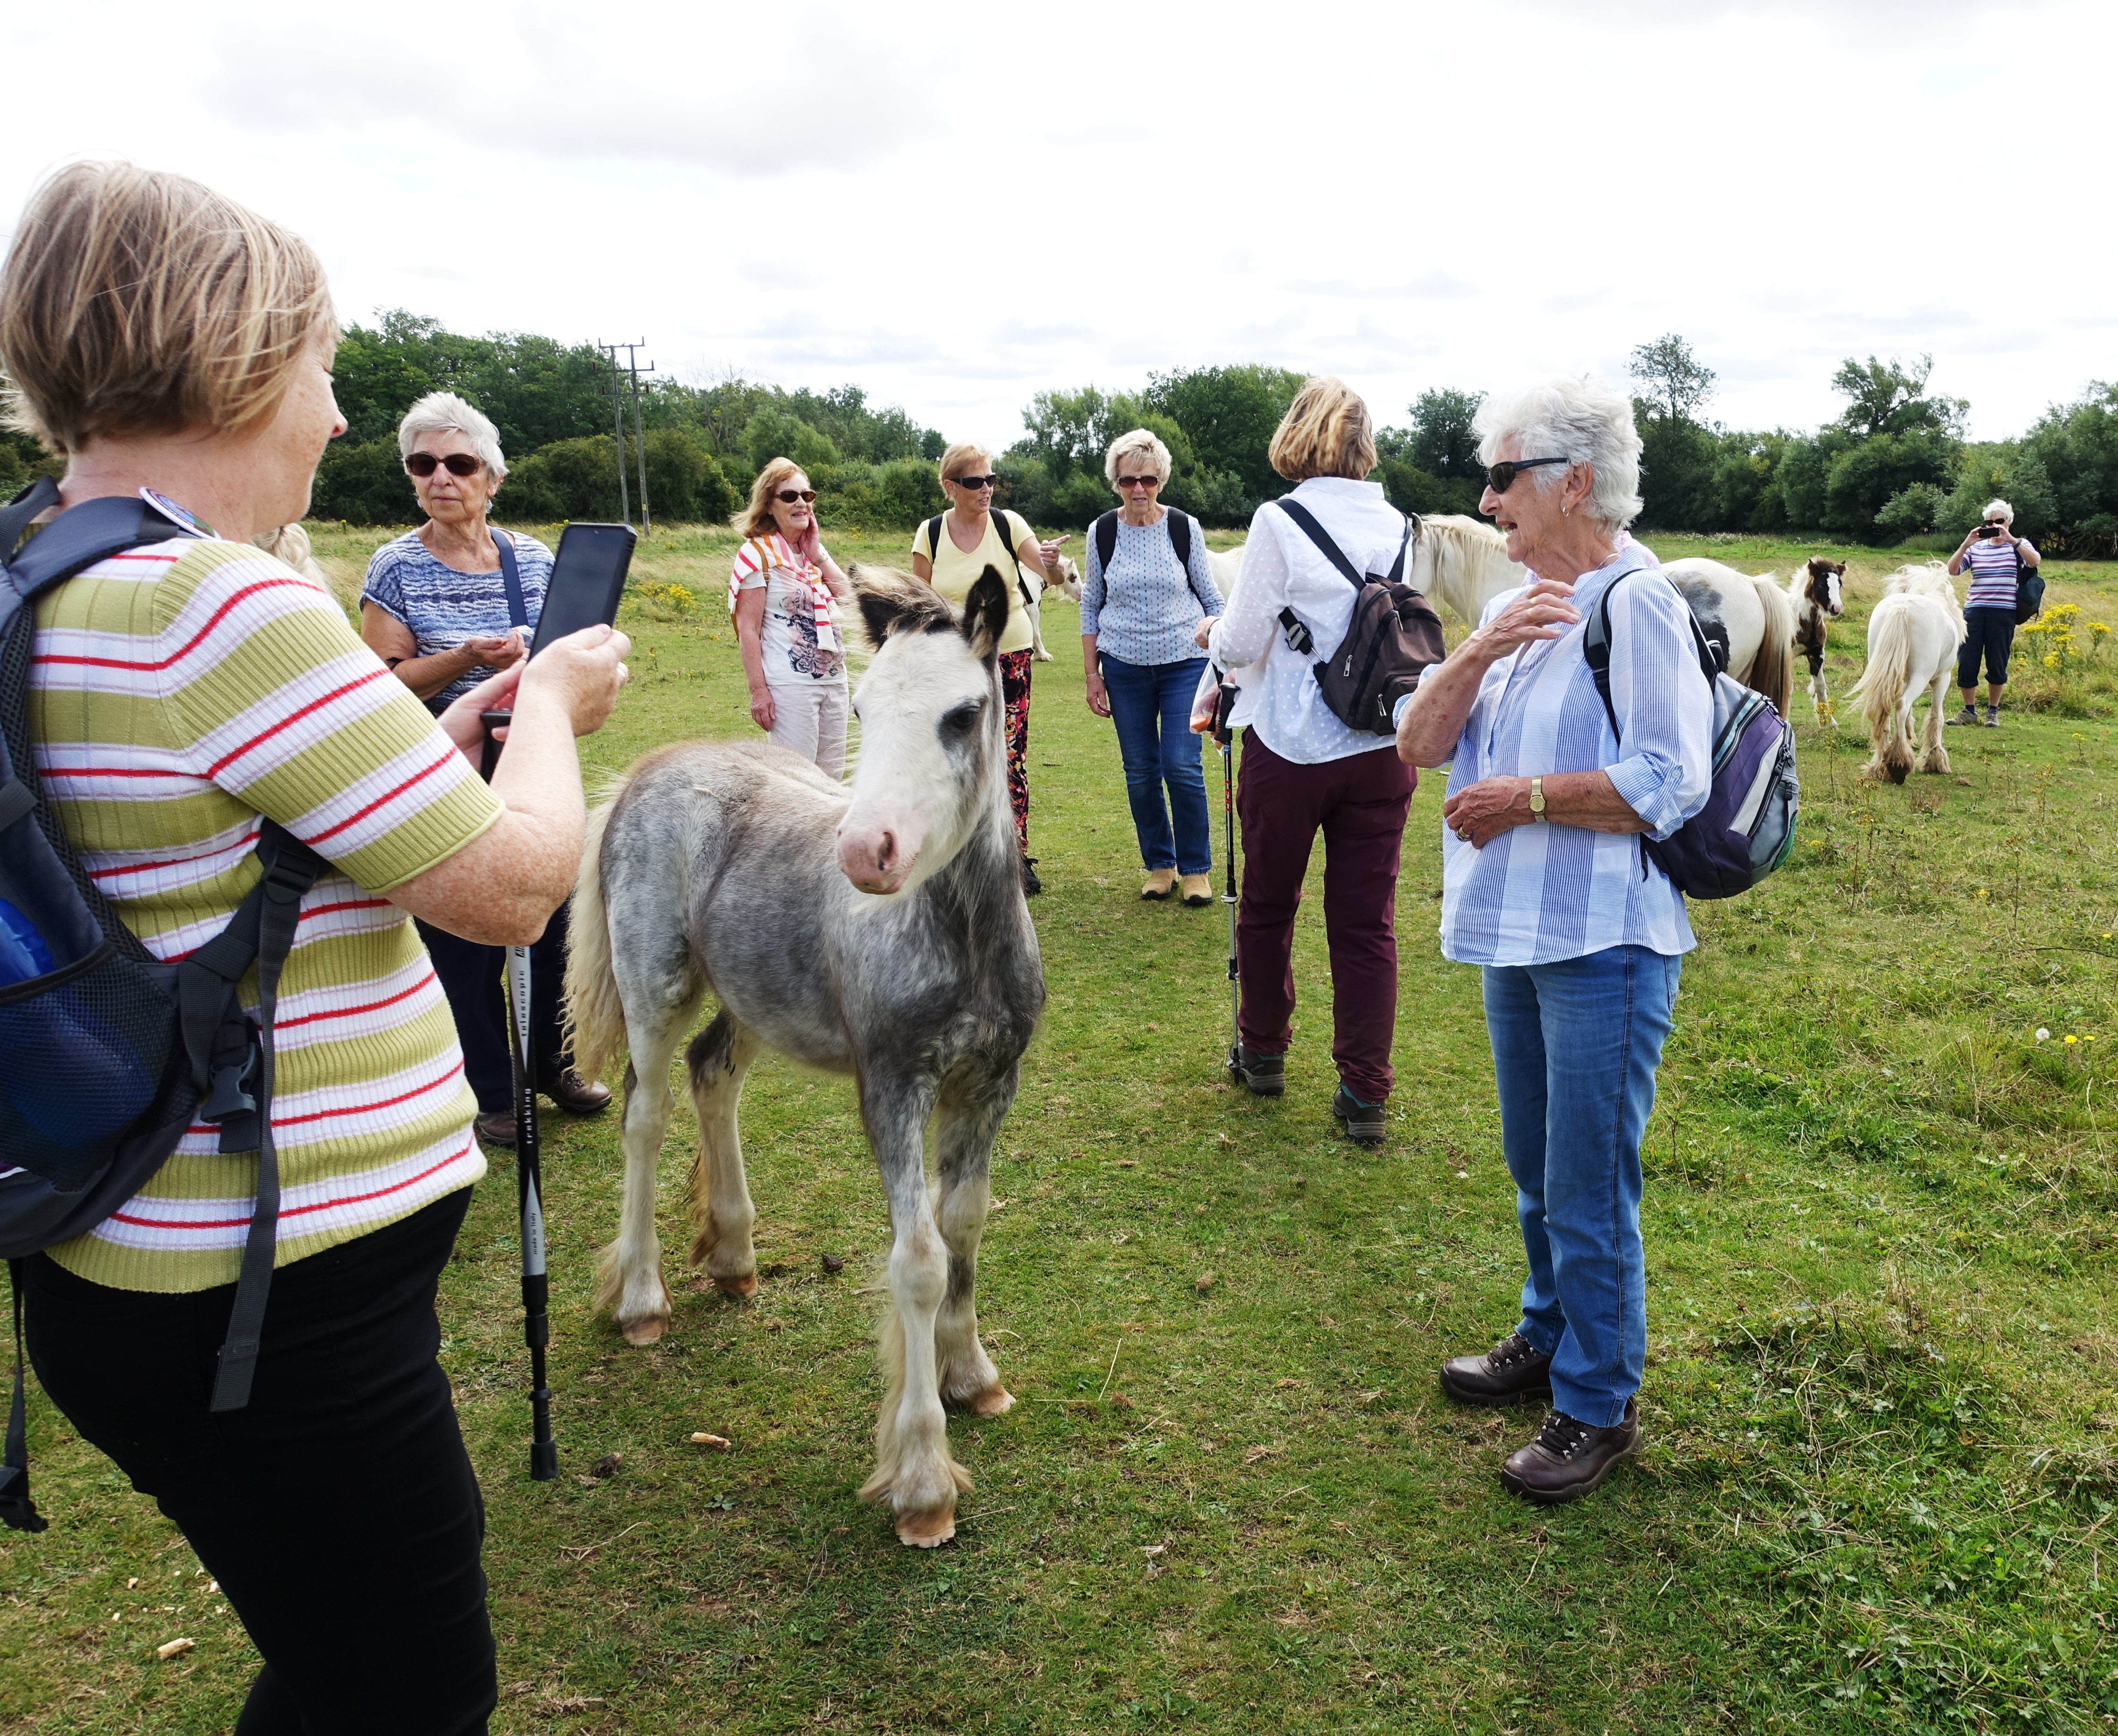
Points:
(812, 720)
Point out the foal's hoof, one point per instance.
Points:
(992, 1402)
(925, 1530)
(744, 1285)
(638, 1333)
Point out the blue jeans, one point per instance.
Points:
(1576, 1046)
(1151, 704)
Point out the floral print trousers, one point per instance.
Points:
(1015, 689)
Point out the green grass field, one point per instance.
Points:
(1882, 1391)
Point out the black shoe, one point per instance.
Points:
(1031, 885)
(1364, 1121)
(1568, 1458)
(1513, 1368)
(1264, 1075)
(496, 1129)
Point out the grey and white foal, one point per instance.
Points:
(877, 930)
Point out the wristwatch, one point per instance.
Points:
(1537, 798)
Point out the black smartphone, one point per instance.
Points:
(588, 579)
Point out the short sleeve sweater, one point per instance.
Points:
(176, 693)
(443, 608)
(1146, 607)
(954, 572)
(1992, 566)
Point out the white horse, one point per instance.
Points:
(1912, 638)
(1816, 589)
(1748, 616)
(1460, 561)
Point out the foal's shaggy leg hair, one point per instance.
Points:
(964, 1135)
(1935, 759)
(721, 1211)
(913, 1472)
(629, 1283)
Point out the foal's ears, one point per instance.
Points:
(985, 615)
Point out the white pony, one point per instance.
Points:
(1748, 616)
(1912, 638)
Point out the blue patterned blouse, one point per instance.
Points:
(443, 608)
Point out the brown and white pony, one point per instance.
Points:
(1816, 588)
(1748, 616)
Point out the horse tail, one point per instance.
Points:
(1772, 671)
(593, 1019)
(1882, 688)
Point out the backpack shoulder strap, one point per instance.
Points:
(78, 538)
(1317, 533)
(934, 538)
(1179, 535)
(1106, 534)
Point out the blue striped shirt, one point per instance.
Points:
(1544, 892)
(1992, 566)
(443, 606)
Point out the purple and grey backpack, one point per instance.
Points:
(1746, 827)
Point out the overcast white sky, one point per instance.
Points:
(954, 206)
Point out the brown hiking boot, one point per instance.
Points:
(1159, 881)
(1569, 1457)
(1513, 1368)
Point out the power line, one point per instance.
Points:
(632, 368)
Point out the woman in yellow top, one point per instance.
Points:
(972, 537)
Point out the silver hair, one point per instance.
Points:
(2007, 513)
(444, 413)
(1578, 417)
(1142, 440)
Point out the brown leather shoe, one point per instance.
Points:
(1513, 1369)
(1568, 1458)
(496, 1129)
(574, 1094)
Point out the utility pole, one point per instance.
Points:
(634, 368)
(617, 414)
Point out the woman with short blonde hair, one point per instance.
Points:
(1304, 771)
(949, 552)
(1143, 596)
(781, 588)
(171, 342)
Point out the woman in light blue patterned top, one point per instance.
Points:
(1547, 887)
(1139, 617)
(434, 604)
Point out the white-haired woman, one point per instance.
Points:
(166, 339)
(447, 607)
(1140, 614)
(781, 587)
(949, 551)
(1994, 555)
(1304, 772)
(1547, 886)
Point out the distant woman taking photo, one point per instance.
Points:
(780, 591)
(949, 552)
(1995, 557)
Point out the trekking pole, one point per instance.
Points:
(1224, 702)
(530, 1200)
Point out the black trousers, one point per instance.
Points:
(339, 1511)
(1986, 629)
(474, 978)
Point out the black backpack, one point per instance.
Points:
(1393, 636)
(107, 1055)
(1106, 534)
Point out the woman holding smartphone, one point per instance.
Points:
(1996, 558)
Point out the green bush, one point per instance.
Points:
(892, 496)
(364, 484)
(1911, 510)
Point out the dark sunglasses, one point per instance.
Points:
(789, 496)
(974, 482)
(1501, 477)
(459, 464)
(1140, 481)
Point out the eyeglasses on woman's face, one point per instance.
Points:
(423, 464)
(1148, 483)
(788, 497)
(1501, 477)
(976, 484)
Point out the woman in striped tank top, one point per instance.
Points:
(1992, 552)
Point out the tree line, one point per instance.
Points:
(1895, 463)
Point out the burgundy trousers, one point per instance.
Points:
(1359, 803)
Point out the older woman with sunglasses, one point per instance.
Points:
(949, 552)
(1547, 886)
(1139, 615)
(438, 607)
(780, 591)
